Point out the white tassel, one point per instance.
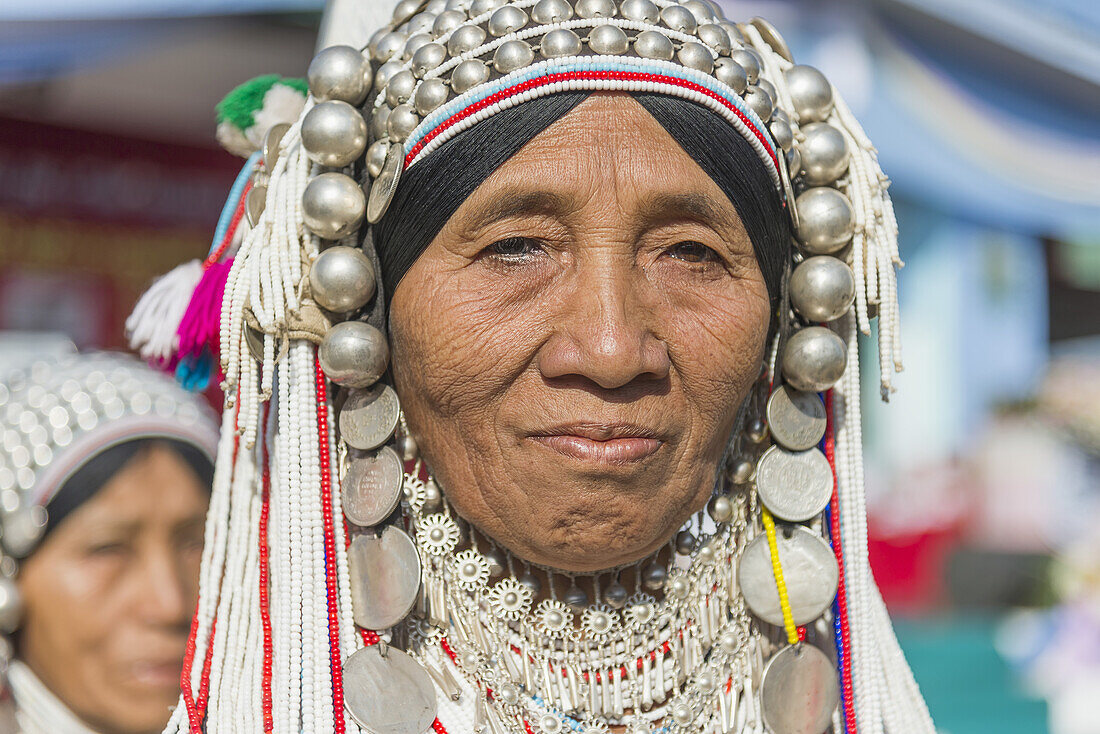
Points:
(151, 328)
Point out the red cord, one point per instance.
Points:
(232, 230)
(265, 605)
(841, 594)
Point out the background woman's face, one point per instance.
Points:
(572, 348)
(109, 595)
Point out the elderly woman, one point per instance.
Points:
(105, 475)
(543, 422)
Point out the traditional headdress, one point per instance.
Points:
(769, 613)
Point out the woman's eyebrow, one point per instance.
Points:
(661, 208)
(519, 203)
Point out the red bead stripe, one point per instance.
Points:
(265, 606)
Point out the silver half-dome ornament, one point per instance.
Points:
(333, 206)
(814, 359)
(354, 354)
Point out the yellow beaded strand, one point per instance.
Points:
(780, 584)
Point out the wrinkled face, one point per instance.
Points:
(110, 592)
(572, 348)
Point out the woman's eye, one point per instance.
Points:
(514, 248)
(693, 252)
(108, 549)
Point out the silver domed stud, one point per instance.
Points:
(732, 74)
(615, 595)
(379, 120)
(334, 134)
(560, 42)
(422, 23)
(403, 120)
(720, 508)
(768, 87)
(794, 162)
(749, 61)
(384, 73)
(551, 11)
(811, 93)
(506, 20)
(679, 18)
(400, 88)
(695, 55)
(642, 11)
(447, 21)
(654, 45)
(480, 7)
(468, 75)
(822, 288)
(716, 37)
(608, 39)
(435, 6)
(11, 605)
(354, 354)
(685, 542)
(415, 43)
(376, 157)
(781, 132)
(814, 359)
(465, 38)
(824, 153)
(779, 114)
(736, 36)
(760, 102)
(512, 55)
(405, 10)
(340, 73)
(596, 8)
(389, 45)
(741, 471)
(825, 220)
(333, 206)
(654, 576)
(429, 95)
(703, 13)
(426, 58)
(682, 714)
(341, 279)
(576, 599)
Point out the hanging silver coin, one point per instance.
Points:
(390, 694)
(381, 191)
(794, 485)
(371, 487)
(254, 204)
(369, 416)
(796, 418)
(799, 692)
(385, 578)
(809, 570)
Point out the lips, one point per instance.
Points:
(601, 443)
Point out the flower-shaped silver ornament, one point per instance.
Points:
(599, 622)
(437, 534)
(553, 618)
(471, 570)
(595, 727)
(509, 599)
(640, 611)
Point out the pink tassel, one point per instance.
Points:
(199, 328)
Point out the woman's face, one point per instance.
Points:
(572, 348)
(110, 592)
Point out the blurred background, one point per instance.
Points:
(983, 469)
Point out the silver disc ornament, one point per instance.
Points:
(369, 417)
(388, 694)
(799, 692)
(809, 570)
(385, 578)
(381, 191)
(795, 485)
(796, 419)
(371, 488)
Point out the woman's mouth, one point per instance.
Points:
(601, 443)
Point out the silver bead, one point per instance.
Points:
(551, 11)
(385, 73)
(811, 93)
(400, 88)
(749, 61)
(433, 498)
(416, 42)
(11, 605)
(334, 134)
(447, 21)
(405, 10)
(426, 58)
(403, 120)
(696, 56)
(389, 46)
(496, 562)
(506, 20)
(703, 13)
(760, 102)
(716, 37)
(679, 18)
(468, 75)
(654, 45)
(480, 7)
(756, 431)
(679, 588)
(814, 359)
(379, 122)
(560, 42)
(825, 220)
(466, 38)
(822, 288)
(512, 55)
(653, 576)
(23, 529)
(341, 279)
(781, 132)
(408, 448)
(643, 11)
(721, 509)
(706, 553)
(531, 581)
(333, 206)
(732, 74)
(615, 595)
(596, 8)
(354, 354)
(741, 471)
(824, 153)
(794, 162)
(608, 39)
(575, 598)
(339, 72)
(430, 94)
(685, 542)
